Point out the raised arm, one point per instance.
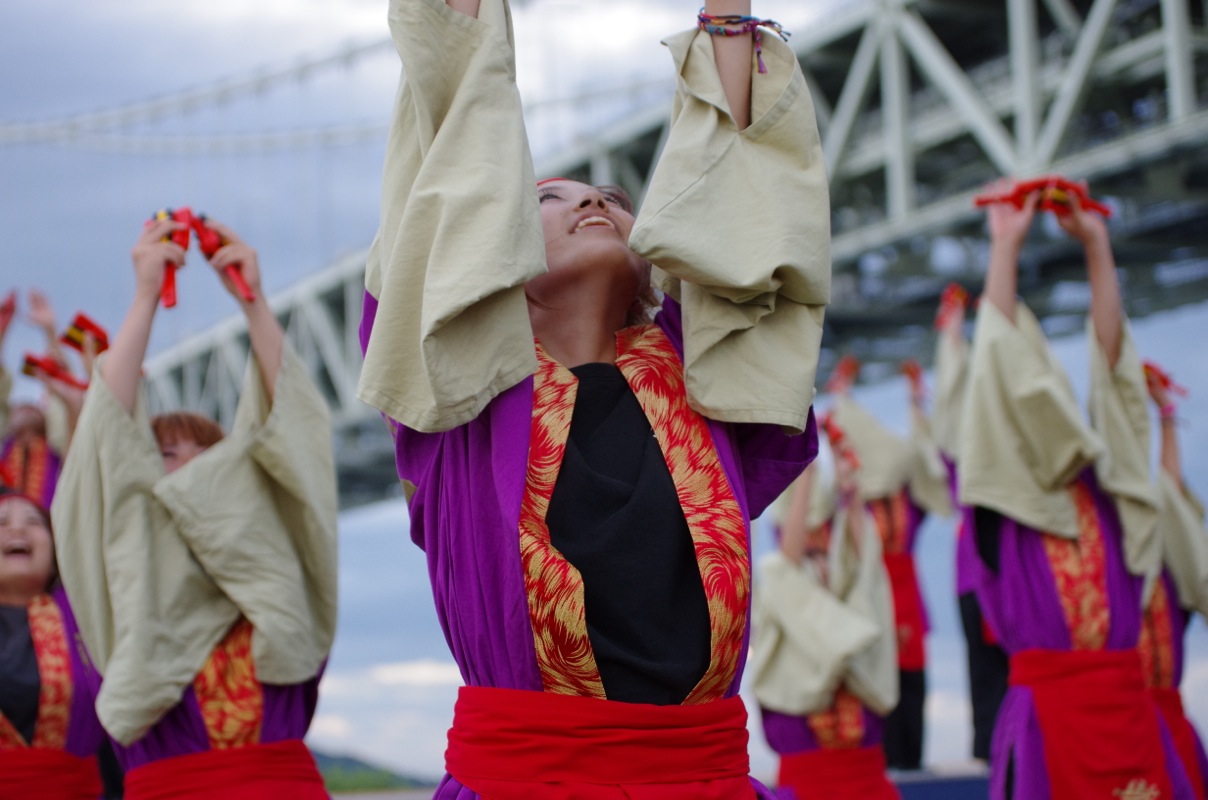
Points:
(1168, 453)
(1107, 308)
(41, 315)
(263, 330)
(467, 7)
(733, 55)
(794, 528)
(123, 364)
(1008, 229)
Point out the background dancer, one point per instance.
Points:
(49, 733)
(987, 661)
(823, 662)
(34, 437)
(206, 565)
(584, 502)
(900, 482)
(1064, 516)
(1181, 590)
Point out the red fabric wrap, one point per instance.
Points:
(1170, 704)
(508, 744)
(830, 774)
(40, 773)
(1101, 734)
(908, 616)
(278, 771)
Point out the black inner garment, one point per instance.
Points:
(19, 681)
(616, 517)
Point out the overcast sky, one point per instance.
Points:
(69, 214)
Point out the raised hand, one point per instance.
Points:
(150, 254)
(239, 255)
(1087, 227)
(41, 314)
(1010, 225)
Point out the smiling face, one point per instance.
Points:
(26, 550)
(587, 229)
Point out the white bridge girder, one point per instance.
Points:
(920, 102)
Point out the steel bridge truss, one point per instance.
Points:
(920, 103)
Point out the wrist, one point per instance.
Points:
(146, 294)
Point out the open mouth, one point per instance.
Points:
(593, 222)
(16, 549)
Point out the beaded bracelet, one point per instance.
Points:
(1166, 411)
(717, 25)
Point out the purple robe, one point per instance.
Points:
(1180, 618)
(791, 733)
(181, 731)
(1021, 605)
(84, 731)
(465, 516)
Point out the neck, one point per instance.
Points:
(17, 595)
(574, 327)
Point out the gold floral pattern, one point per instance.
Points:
(1157, 640)
(555, 588)
(1138, 790)
(841, 726)
(49, 637)
(230, 697)
(1080, 571)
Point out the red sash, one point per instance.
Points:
(829, 774)
(278, 771)
(1101, 734)
(507, 744)
(39, 773)
(1170, 704)
(907, 611)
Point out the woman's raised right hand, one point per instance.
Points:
(152, 252)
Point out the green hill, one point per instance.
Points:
(348, 774)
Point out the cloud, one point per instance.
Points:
(330, 726)
(417, 674)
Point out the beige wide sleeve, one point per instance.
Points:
(58, 425)
(258, 511)
(804, 638)
(928, 474)
(1119, 413)
(886, 459)
(860, 581)
(821, 500)
(460, 231)
(1022, 436)
(1184, 543)
(158, 567)
(951, 386)
(737, 224)
(148, 613)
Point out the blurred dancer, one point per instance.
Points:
(49, 733)
(1065, 516)
(823, 656)
(34, 437)
(900, 481)
(1181, 589)
(987, 661)
(203, 566)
